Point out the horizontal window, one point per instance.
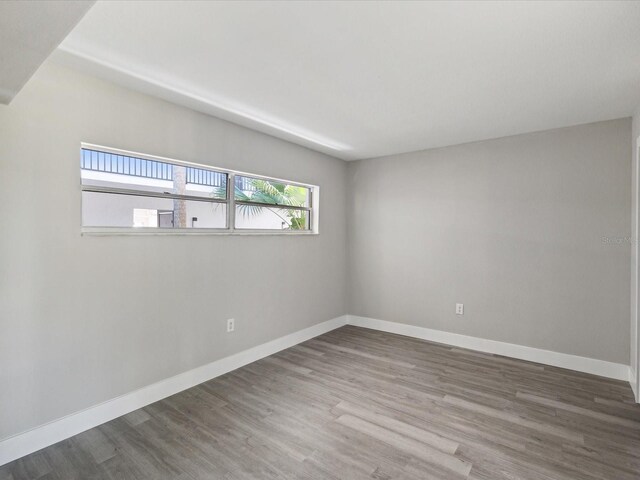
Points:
(270, 218)
(133, 211)
(254, 198)
(127, 191)
(111, 171)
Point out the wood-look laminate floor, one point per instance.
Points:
(360, 404)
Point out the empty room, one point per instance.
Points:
(384, 240)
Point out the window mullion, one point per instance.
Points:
(231, 206)
(149, 193)
(274, 205)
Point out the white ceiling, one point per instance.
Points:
(365, 79)
(29, 32)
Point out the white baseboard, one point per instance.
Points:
(603, 368)
(35, 439)
(633, 381)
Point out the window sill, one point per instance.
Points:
(106, 231)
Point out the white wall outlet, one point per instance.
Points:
(231, 325)
(459, 309)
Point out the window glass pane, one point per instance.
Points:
(120, 171)
(259, 190)
(269, 218)
(114, 210)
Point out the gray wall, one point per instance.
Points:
(84, 319)
(512, 228)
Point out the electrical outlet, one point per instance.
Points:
(459, 309)
(231, 325)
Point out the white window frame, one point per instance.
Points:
(313, 209)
